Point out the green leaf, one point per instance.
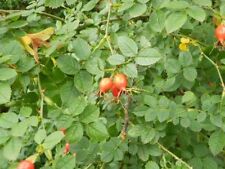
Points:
(114, 150)
(90, 114)
(137, 9)
(74, 133)
(143, 152)
(95, 66)
(201, 117)
(83, 81)
(97, 131)
(147, 134)
(40, 136)
(81, 48)
(71, 2)
(172, 66)
(25, 111)
(116, 59)
(189, 98)
(197, 13)
(185, 59)
(32, 121)
(5, 93)
(217, 142)
(177, 5)
(175, 21)
(18, 24)
(127, 46)
(12, 48)
(90, 5)
(190, 73)
(53, 139)
(163, 114)
(130, 70)
(151, 165)
(209, 163)
(78, 106)
(68, 93)
(53, 3)
(25, 64)
(68, 65)
(7, 73)
(157, 21)
(8, 120)
(135, 131)
(148, 57)
(4, 136)
(12, 149)
(185, 122)
(19, 129)
(203, 2)
(65, 162)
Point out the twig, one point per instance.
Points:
(89, 165)
(106, 36)
(123, 133)
(19, 12)
(173, 155)
(107, 27)
(218, 72)
(42, 97)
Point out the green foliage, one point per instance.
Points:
(175, 94)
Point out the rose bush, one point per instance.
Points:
(169, 112)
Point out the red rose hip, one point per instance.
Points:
(25, 164)
(220, 33)
(67, 148)
(115, 91)
(120, 81)
(105, 85)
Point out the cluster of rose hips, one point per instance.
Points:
(220, 33)
(117, 85)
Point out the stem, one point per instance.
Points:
(173, 155)
(42, 97)
(218, 72)
(106, 36)
(88, 166)
(123, 133)
(51, 16)
(20, 12)
(107, 27)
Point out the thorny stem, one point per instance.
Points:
(123, 133)
(42, 97)
(173, 155)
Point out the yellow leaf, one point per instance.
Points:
(26, 41)
(185, 40)
(183, 47)
(43, 35)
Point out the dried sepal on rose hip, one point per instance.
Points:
(25, 164)
(105, 85)
(220, 33)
